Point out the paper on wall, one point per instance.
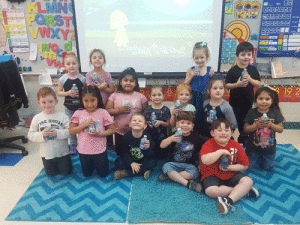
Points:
(33, 51)
(45, 79)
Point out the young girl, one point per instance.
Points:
(135, 161)
(262, 122)
(198, 76)
(90, 124)
(122, 104)
(184, 95)
(158, 131)
(69, 80)
(98, 76)
(215, 91)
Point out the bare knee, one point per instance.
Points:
(212, 191)
(247, 181)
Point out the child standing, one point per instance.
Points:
(222, 180)
(90, 124)
(185, 149)
(126, 101)
(262, 122)
(66, 88)
(198, 76)
(184, 95)
(51, 130)
(98, 76)
(241, 89)
(136, 159)
(215, 90)
(158, 130)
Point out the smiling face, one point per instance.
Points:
(217, 90)
(244, 58)
(184, 97)
(138, 123)
(156, 96)
(90, 102)
(128, 83)
(71, 65)
(97, 60)
(186, 126)
(222, 134)
(264, 102)
(200, 57)
(47, 104)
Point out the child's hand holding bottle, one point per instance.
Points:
(242, 83)
(101, 86)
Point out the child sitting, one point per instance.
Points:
(185, 150)
(226, 183)
(136, 159)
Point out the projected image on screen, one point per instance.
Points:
(150, 36)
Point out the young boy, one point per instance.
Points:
(185, 153)
(241, 91)
(227, 185)
(51, 130)
(135, 161)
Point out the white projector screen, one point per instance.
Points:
(148, 35)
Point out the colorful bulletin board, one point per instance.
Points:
(280, 29)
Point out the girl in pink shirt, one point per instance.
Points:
(98, 76)
(122, 104)
(90, 124)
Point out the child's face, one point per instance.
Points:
(222, 134)
(186, 126)
(128, 83)
(71, 65)
(138, 123)
(264, 102)
(184, 97)
(200, 57)
(244, 58)
(90, 103)
(156, 96)
(97, 60)
(47, 104)
(217, 90)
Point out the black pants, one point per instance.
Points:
(91, 162)
(118, 143)
(147, 164)
(240, 112)
(61, 165)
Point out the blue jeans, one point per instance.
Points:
(72, 139)
(179, 167)
(265, 162)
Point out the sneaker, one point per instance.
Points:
(147, 174)
(253, 193)
(194, 186)
(163, 177)
(223, 205)
(110, 148)
(119, 174)
(73, 149)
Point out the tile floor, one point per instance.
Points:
(14, 181)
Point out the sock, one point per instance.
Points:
(188, 184)
(230, 201)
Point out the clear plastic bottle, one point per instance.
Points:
(243, 73)
(212, 114)
(74, 87)
(126, 103)
(177, 105)
(143, 142)
(48, 137)
(95, 78)
(224, 161)
(179, 134)
(91, 128)
(197, 70)
(153, 118)
(264, 117)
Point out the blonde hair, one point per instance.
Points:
(201, 46)
(157, 88)
(45, 91)
(182, 87)
(70, 56)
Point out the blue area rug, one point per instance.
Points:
(280, 190)
(153, 201)
(10, 159)
(74, 198)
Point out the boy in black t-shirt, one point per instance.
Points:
(185, 154)
(241, 91)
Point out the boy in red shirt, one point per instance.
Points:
(230, 184)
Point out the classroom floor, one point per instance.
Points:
(14, 181)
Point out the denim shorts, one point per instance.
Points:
(179, 167)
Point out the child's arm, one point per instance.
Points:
(64, 133)
(235, 168)
(62, 93)
(189, 76)
(108, 88)
(212, 157)
(239, 83)
(166, 142)
(174, 112)
(211, 72)
(34, 134)
(255, 83)
(76, 128)
(110, 130)
(275, 127)
(115, 112)
(256, 125)
(166, 124)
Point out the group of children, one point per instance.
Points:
(200, 144)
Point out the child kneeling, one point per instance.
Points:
(230, 184)
(136, 159)
(185, 150)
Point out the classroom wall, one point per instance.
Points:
(60, 39)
